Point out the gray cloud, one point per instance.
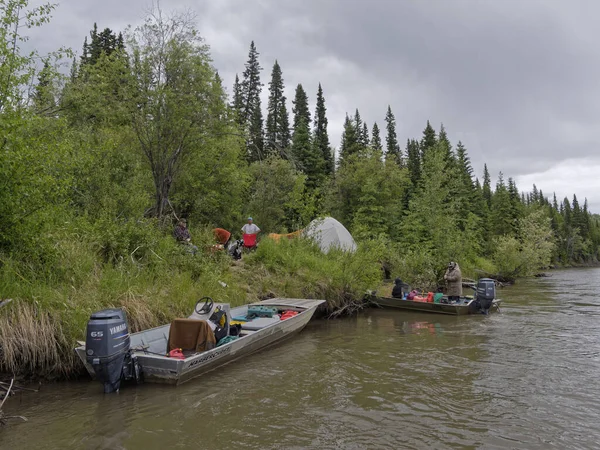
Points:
(516, 81)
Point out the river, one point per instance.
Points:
(524, 378)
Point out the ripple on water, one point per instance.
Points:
(524, 378)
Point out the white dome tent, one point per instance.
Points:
(329, 233)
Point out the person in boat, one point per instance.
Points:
(182, 235)
(250, 227)
(397, 290)
(453, 277)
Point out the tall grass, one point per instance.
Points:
(298, 268)
(40, 328)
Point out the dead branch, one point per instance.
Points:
(4, 418)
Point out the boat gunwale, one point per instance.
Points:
(271, 302)
(411, 305)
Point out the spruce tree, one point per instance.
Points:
(43, 97)
(361, 130)
(466, 187)
(364, 135)
(94, 47)
(358, 125)
(501, 210)
(106, 42)
(487, 189)
(238, 101)
(413, 162)
(307, 156)
(278, 128)
(120, 42)
(252, 112)
(534, 194)
(376, 144)
(464, 162)
(85, 52)
(428, 141)
(321, 137)
(516, 206)
(392, 148)
(300, 107)
(445, 143)
(350, 140)
(74, 71)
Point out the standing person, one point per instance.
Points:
(453, 277)
(250, 227)
(182, 234)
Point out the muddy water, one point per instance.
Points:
(525, 378)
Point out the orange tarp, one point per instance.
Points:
(276, 237)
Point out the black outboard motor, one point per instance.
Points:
(108, 349)
(485, 294)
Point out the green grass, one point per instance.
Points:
(155, 284)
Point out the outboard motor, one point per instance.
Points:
(485, 294)
(108, 349)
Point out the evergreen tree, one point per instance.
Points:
(43, 97)
(364, 135)
(252, 112)
(350, 141)
(300, 108)
(486, 188)
(85, 52)
(445, 143)
(74, 71)
(120, 42)
(361, 130)
(567, 211)
(392, 148)
(432, 222)
(429, 139)
(516, 207)
(413, 162)
(238, 101)
(278, 127)
(106, 42)
(464, 162)
(309, 157)
(321, 137)
(358, 125)
(535, 198)
(501, 210)
(376, 144)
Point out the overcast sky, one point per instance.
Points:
(518, 81)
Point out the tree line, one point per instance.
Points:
(142, 130)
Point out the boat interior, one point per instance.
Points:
(193, 334)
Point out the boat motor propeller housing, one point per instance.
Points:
(108, 349)
(485, 294)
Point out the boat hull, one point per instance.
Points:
(165, 370)
(437, 308)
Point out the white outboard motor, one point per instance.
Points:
(485, 294)
(107, 347)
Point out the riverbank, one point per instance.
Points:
(40, 327)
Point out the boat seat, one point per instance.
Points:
(260, 322)
(191, 335)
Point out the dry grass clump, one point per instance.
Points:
(32, 342)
